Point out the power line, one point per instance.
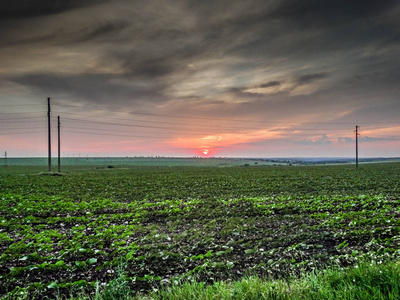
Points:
(25, 132)
(20, 104)
(18, 119)
(200, 131)
(96, 129)
(279, 131)
(117, 130)
(22, 128)
(218, 119)
(134, 125)
(201, 125)
(163, 137)
(287, 131)
(217, 130)
(22, 113)
(121, 135)
(156, 122)
(87, 131)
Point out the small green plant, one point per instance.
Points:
(119, 287)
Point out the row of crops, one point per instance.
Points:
(159, 226)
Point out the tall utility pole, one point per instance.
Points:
(357, 127)
(5, 158)
(49, 131)
(59, 159)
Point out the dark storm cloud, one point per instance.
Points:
(309, 29)
(381, 110)
(270, 84)
(333, 13)
(23, 9)
(159, 46)
(97, 88)
(304, 13)
(107, 29)
(150, 68)
(306, 79)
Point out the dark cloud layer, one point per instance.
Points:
(92, 88)
(106, 28)
(105, 31)
(270, 84)
(280, 59)
(305, 79)
(22, 9)
(331, 12)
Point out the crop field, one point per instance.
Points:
(158, 226)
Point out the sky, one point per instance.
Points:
(265, 78)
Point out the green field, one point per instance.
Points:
(157, 226)
(89, 162)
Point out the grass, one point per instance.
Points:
(364, 281)
(135, 161)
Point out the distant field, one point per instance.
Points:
(157, 225)
(179, 161)
(137, 161)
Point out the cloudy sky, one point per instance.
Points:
(271, 78)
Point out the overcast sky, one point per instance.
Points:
(273, 78)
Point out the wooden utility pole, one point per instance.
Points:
(49, 131)
(59, 159)
(357, 127)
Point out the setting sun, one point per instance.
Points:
(205, 152)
